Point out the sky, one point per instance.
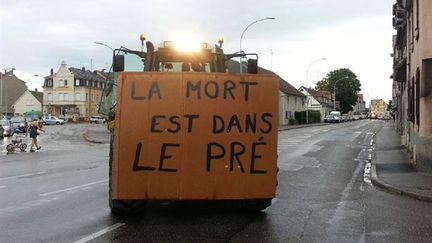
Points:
(36, 36)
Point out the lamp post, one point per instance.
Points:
(241, 37)
(103, 44)
(309, 66)
(307, 78)
(334, 92)
(1, 86)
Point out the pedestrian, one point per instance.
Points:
(34, 132)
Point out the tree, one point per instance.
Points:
(347, 86)
(390, 105)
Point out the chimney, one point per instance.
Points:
(52, 71)
(35, 89)
(83, 69)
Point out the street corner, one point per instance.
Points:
(395, 184)
(99, 136)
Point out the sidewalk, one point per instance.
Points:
(392, 169)
(289, 127)
(97, 133)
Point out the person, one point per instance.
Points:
(33, 130)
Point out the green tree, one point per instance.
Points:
(390, 105)
(347, 86)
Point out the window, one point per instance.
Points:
(411, 100)
(50, 97)
(86, 97)
(61, 83)
(77, 96)
(29, 102)
(60, 97)
(65, 82)
(77, 82)
(66, 97)
(48, 83)
(417, 97)
(417, 29)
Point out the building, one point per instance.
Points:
(412, 78)
(377, 106)
(11, 89)
(72, 92)
(360, 105)
(29, 101)
(320, 100)
(290, 99)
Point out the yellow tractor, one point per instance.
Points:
(184, 128)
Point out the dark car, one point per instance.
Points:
(329, 119)
(19, 124)
(7, 128)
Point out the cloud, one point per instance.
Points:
(37, 35)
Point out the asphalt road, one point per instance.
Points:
(59, 194)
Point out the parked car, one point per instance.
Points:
(329, 119)
(337, 118)
(7, 128)
(97, 119)
(52, 120)
(19, 123)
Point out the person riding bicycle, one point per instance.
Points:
(33, 130)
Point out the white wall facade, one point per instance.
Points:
(27, 102)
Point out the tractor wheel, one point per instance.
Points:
(253, 205)
(122, 206)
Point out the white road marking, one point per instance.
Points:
(1, 187)
(99, 233)
(24, 175)
(72, 188)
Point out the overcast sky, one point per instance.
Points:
(36, 36)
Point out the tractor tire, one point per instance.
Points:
(122, 206)
(253, 205)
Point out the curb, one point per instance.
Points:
(392, 189)
(297, 127)
(88, 139)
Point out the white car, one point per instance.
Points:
(97, 119)
(52, 120)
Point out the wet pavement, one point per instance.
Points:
(59, 194)
(393, 170)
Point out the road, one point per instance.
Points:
(59, 194)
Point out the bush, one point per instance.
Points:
(314, 116)
(293, 122)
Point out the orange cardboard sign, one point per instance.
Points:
(195, 136)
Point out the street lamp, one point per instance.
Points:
(1, 85)
(309, 66)
(334, 91)
(103, 44)
(307, 77)
(241, 37)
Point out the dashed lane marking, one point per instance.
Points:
(72, 188)
(99, 233)
(21, 176)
